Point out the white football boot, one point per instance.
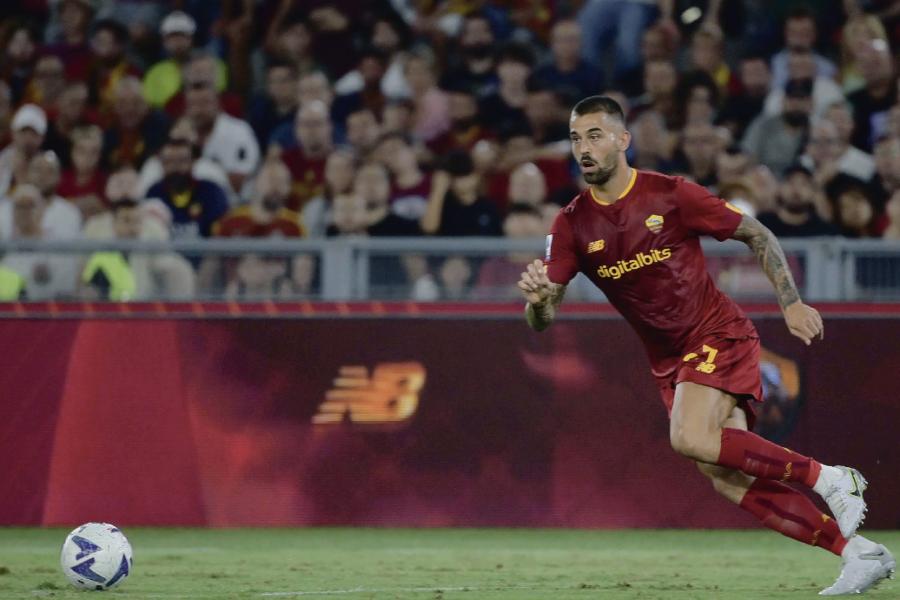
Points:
(862, 571)
(842, 488)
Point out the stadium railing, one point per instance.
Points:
(356, 268)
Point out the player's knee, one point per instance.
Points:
(687, 445)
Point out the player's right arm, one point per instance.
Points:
(543, 296)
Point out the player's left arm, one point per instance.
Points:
(802, 320)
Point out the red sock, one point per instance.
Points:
(790, 513)
(747, 452)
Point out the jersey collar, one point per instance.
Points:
(622, 195)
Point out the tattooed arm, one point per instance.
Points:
(543, 296)
(802, 320)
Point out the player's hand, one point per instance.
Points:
(535, 284)
(804, 322)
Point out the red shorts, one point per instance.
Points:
(727, 364)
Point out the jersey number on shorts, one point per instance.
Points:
(707, 365)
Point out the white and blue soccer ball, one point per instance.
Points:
(96, 556)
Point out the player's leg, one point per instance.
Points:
(696, 432)
(779, 507)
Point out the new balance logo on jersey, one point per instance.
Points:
(596, 246)
(641, 260)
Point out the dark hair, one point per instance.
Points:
(458, 164)
(600, 104)
(119, 31)
(756, 55)
(124, 203)
(373, 52)
(517, 52)
(800, 11)
(798, 88)
(400, 27)
(514, 129)
(520, 208)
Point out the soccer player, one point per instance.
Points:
(636, 235)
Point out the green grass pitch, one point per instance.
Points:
(440, 565)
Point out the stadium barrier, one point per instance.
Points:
(357, 268)
(403, 415)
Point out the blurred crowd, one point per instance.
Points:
(191, 119)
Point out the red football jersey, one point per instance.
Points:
(643, 252)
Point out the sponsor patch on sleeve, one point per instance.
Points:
(549, 246)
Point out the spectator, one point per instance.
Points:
(371, 69)
(362, 131)
(887, 169)
(707, 54)
(48, 83)
(475, 61)
(392, 36)
(267, 215)
(827, 154)
(6, 113)
(72, 110)
(410, 186)
(349, 215)
(800, 33)
(61, 218)
(75, 17)
(660, 83)
(312, 87)
(25, 216)
(29, 126)
(136, 276)
(108, 66)
(156, 218)
(289, 39)
(802, 65)
(316, 213)
(301, 282)
(136, 132)
(17, 63)
(546, 116)
(697, 98)
(857, 37)
(892, 210)
(870, 104)
(374, 185)
(854, 215)
(164, 79)
(650, 142)
(527, 186)
(195, 204)
(278, 106)
(455, 207)
(455, 278)
(775, 140)
(566, 68)
(699, 147)
(84, 183)
(604, 22)
(657, 44)
(203, 72)
(313, 130)
(466, 128)
(506, 106)
(733, 165)
(203, 168)
(498, 275)
(796, 215)
(398, 116)
(430, 103)
(224, 139)
(841, 114)
(742, 107)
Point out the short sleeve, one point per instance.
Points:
(560, 259)
(705, 214)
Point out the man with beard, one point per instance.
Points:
(466, 129)
(636, 235)
(475, 66)
(267, 215)
(796, 215)
(775, 140)
(195, 204)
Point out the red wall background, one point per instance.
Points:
(208, 422)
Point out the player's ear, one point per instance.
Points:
(624, 140)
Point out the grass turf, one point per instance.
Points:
(441, 564)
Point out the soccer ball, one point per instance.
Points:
(96, 556)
